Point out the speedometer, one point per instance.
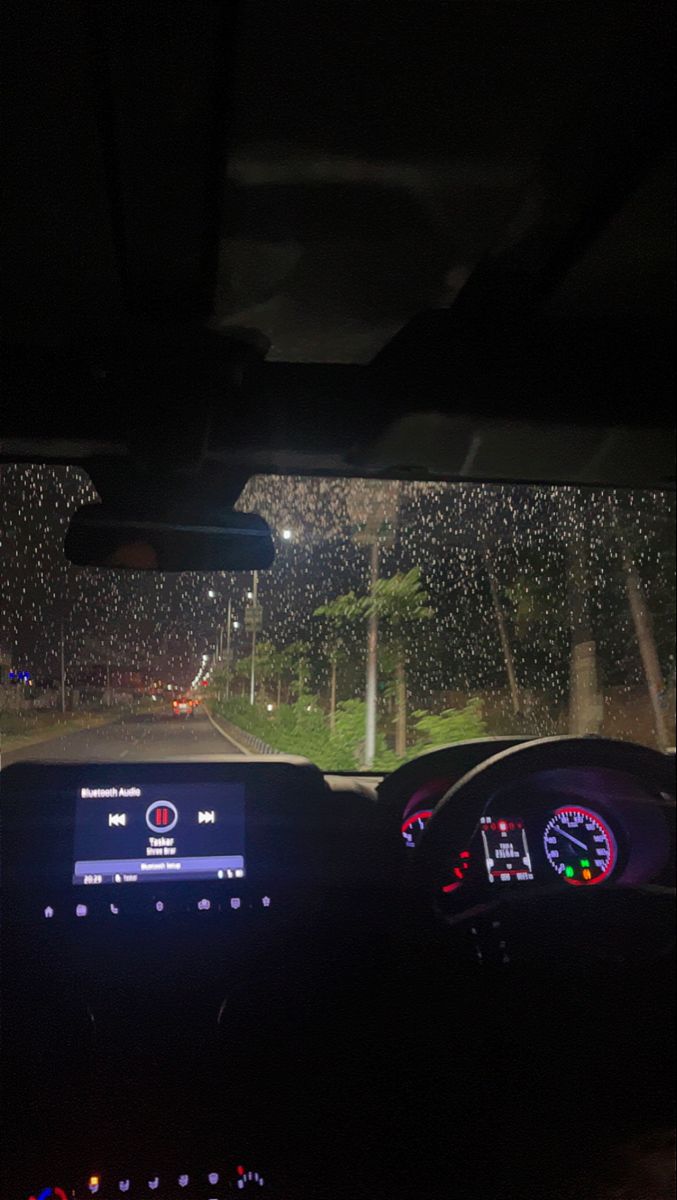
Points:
(579, 846)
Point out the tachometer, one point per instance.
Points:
(413, 826)
(419, 810)
(579, 846)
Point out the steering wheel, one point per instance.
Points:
(619, 920)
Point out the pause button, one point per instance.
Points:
(161, 816)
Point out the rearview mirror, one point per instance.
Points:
(100, 536)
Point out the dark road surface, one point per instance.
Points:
(142, 738)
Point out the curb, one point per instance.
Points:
(256, 746)
(227, 736)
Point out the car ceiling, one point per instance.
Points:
(446, 227)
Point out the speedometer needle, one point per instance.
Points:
(563, 833)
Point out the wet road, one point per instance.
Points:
(144, 738)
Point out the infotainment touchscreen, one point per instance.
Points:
(153, 832)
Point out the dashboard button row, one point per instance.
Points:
(214, 1185)
(157, 906)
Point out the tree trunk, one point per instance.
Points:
(229, 655)
(647, 647)
(585, 707)
(401, 709)
(62, 661)
(503, 636)
(332, 698)
(372, 667)
(252, 676)
(279, 690)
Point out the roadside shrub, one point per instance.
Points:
(302, 728)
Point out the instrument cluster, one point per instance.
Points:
(572, 845)
(576, 843)
(563, 829)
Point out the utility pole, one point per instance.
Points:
(252, 678)
(372, 664)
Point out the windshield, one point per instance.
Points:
(397, 617)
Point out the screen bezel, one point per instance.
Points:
(107, 847)
(284, 828)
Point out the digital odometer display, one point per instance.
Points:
(156, 833)
(579, 846)
(506, 851)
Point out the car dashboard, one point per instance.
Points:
(165, 927)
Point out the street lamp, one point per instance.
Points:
(212, 594)
(287, 535)
(229, 626)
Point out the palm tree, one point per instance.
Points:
(283, 665)
(339, 615)
(400, 603)
(241, 671)
(270, 665)
(298, 663)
